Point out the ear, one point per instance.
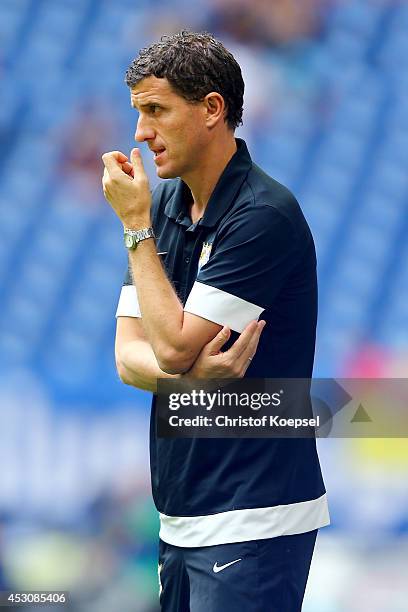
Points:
(214, 108)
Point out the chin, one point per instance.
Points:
(166, 173)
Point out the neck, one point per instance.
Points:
(203, 180)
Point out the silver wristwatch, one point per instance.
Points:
(133, 237)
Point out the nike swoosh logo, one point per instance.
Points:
(163, 253)
(219, 568)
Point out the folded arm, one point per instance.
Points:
(137, 364)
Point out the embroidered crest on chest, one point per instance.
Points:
(205, 254)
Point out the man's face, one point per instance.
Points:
(173, 128)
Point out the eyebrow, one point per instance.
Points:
(142, 104)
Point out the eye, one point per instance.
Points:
(154, 108)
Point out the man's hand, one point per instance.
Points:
(137, 364)
(126, 188)
(212, 363)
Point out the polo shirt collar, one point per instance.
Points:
(176, 207)
(223, 194)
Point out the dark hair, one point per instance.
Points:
(194, 64)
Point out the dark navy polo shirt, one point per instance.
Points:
(250, 256)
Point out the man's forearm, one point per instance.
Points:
(176, 339)
(137, 366)
(162, 311)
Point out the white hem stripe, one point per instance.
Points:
(221, 307)
(128, 305)
(244, 525)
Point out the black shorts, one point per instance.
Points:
(257, 576)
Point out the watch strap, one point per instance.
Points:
(137, 236)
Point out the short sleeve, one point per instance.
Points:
(249, 263)
(128, 305)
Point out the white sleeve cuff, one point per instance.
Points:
(128, 305)
(221, 307)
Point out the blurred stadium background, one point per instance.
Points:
(326, 112)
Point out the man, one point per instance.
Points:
(239, 517)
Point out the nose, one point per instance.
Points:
(143, 131)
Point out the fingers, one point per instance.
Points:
(105, 179)
(137, 162)
(241, 343)
(128, 168)
(113, 161)
(215, 345)
(249, 348)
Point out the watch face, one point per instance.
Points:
(129, 241)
